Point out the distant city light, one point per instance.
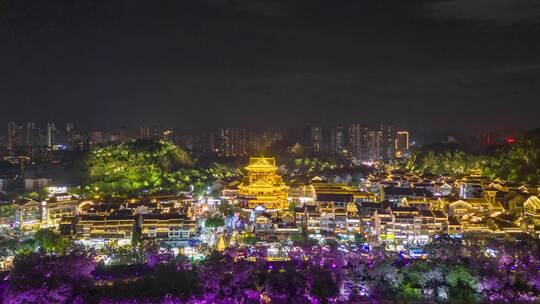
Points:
(510, 140)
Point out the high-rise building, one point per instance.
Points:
(388, 142)
(69, 134)
(144, 132)
(337, 140)
(30, 133)
(232, 142)
(204, 141)
(62, 137)
(358, 137)
(251, 142)
(80, 140)
(122, 134)
(96, 138)
(402, 143)
(374, 145)
(316, 138)
(51, 130)
(148, 132)
(33, 139)
(12, 131)
(262, 140)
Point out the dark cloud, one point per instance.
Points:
(259, 7)
(500, 11)
(283, 63)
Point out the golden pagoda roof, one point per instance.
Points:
(261, 162)
(261, 183)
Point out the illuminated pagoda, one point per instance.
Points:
(262, 187)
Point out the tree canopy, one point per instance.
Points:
(50, 241)
(132, 167)
(518, 162)
(214, 222)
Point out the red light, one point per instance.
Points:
(510, 140)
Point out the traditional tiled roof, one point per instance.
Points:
(426, 213)
(164, 216)
(404, 209)
(25, 201)
(453, 221)
(398, 191)
(92, 217)
(369, 205)
(439, 214)
(332, 197)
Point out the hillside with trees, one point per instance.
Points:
(140, 167)
(518, 162)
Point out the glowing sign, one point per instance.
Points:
(259, 208)
(56, 190)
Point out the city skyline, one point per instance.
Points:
(269, 151)
(381, 141)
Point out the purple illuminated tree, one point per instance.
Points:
(38, 278)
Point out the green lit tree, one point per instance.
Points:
(518, 162)
(7, 210)
(462, 285)
(50, 241)
(359, 238)
(138, 166)
(214, 222)
(293, 205)
(227, 209)
(249, 239)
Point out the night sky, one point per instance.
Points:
(471, 65)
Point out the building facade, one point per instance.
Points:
(262, 186)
